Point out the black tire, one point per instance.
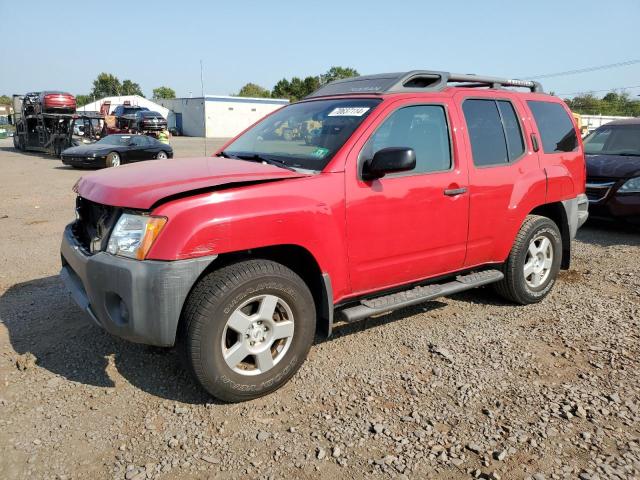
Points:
(514, 286)
(113, 159)
(212, 302)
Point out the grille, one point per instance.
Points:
(93, 225)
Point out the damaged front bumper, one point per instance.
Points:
(139, 301)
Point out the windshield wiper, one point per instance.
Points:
(254, 157)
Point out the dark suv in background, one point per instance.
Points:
(126, 115)
(613, 170)
(148, 120)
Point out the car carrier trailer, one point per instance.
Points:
(43, 121)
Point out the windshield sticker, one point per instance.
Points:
(348, 111)
(320, 152)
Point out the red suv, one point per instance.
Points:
(372, 194)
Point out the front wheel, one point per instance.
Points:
(162, 155)
(533, 264)
(113, 160)
(247, 328)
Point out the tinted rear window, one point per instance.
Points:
(555, 126)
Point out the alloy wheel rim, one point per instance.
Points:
(115, 160)
(162, 155)
(257, 335)
(538, 261)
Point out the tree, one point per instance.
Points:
(253, 90)
(82, 100)
(613, 103)
(337, 73)
(5, 100)
(310, 85)
(163, 92)
(106, 85)
(281, 89)
(130, 88)
(296, 88)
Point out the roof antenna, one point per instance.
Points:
(204, 109)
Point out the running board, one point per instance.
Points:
(394, 301)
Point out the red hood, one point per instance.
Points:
(141, 185)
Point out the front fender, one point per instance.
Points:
(307, 212)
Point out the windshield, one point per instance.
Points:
(115, 140)
(304, 135)
(614, 140)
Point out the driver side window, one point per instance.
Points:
(420, 127)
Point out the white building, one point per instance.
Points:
(591, 122)
(133, 100)
(217, 116)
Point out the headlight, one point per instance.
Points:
(630, 186)
(134, 235)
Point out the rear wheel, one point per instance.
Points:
(247, 328)
(113, 159)
(533, 264)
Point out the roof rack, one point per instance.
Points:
(418, 81)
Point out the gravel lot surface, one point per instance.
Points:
(463, 387)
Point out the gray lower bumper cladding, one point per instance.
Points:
(140, 301)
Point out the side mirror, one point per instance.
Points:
(389, 160)
(10, 119)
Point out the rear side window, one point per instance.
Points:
(556, 128)
(494, 131)
(420, 127)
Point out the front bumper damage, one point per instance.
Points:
(139, 301)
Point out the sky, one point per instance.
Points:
(65, 44)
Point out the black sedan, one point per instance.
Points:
(613, 171)
(115, 150)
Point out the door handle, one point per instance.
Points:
(452, 192)
(534, 142)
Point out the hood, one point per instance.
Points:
(141, 185)
(612, 166)
(84, 149)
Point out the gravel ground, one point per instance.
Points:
(463, 387)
